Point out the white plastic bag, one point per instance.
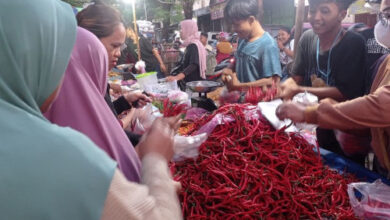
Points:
(268, 109)
(187, 147)
(305, 99)
(375, 201)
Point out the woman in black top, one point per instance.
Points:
(193, 64)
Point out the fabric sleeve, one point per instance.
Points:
(350, 72)
(155, 199)
(271, 61)
(298, 68)
(192, 54)
(107, 98)
(369, 111)
(191, 69)
(121, 105)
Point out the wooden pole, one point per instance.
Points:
(299, 18)
(136, 30)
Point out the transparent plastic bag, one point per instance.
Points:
(161, 88)
(305, 99)
(251, 113)
(194, 113)
(375, 200)
(218, 119)
(227, 97)
(144, 118)
(187, 147)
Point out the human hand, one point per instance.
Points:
(280, 44)
(232, 84)
(230, 79)
(160, 138)
(290, 110)
(170, 78)
(289, 89)
(116, 88)
(137, 99)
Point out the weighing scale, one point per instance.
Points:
(202, 88)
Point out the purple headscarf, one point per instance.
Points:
(81, 106)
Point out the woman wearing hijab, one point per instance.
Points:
(51, 172)
(106, 23)
(81, 105)
(370, 111)
(192, 67)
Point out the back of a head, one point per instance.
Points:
(90, 54)
(34, 56)
(99, 19)
(343, 4)
(237, 10)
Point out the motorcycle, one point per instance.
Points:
(220, 67)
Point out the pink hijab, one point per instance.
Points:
(81, 106)
(190, 35)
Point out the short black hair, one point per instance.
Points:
(237, 10)
(343, 4)
(204, 34)
(286, 29)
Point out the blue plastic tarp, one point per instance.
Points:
(343, 164)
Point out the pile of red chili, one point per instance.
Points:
(256, 94)
(172, 109)
(248, 170)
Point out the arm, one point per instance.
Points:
(191, 69)
(121, 105)
(235, 84)
(323, 92)
(290, 88)
(127, 119)
(289, 52)
(364, 112)
(155, 199)
(160, 61)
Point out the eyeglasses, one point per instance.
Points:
(384, 18)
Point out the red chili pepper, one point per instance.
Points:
(170, 109)
(248, 170)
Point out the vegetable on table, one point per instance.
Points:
(171, 109)
(248, 170)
